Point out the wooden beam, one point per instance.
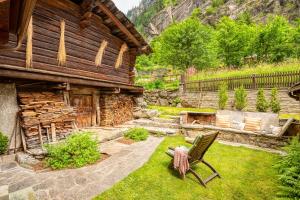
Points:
(118, 23)
(42, 75)
(4, 21)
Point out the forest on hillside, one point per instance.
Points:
(228, 44)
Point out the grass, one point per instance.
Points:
(246, 174)
(290, 65)
(166, 112)
(286, 116)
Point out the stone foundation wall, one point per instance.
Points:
(116, 109)
(8, 113)
(208, 99)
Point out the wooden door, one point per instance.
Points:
(84, 106)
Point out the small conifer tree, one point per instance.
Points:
(223, 96)
(261, 102)
(274, 103)
(240, 98)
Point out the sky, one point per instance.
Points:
(125, 5)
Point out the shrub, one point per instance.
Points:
(210, 10)
(288, 168)
(261, 102)
(157, 84)
(240, 98)
(274, 103)
(177, 101)
(137, 134)
(3, 143)
(76, 151)
(223, 96)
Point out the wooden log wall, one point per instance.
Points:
(81, 44)
(115, 109)
(45, 117)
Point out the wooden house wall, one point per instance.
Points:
(81, 45)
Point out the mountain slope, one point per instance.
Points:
(152, 17)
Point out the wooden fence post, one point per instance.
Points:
(253, 81)
(183, 82)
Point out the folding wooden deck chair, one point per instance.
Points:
(196, 154)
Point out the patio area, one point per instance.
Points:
(83, 183)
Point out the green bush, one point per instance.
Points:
(76, 151)
(261, 102)
(240, 98)
(210, 10)
(217, 3)
(157, 84)
(288, 168)
(177, 101)
(274, 103)
(137, 134)
(3, 143)
(223, 96)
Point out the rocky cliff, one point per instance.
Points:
(211, 11)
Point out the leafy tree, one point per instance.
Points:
(223, 96)
(234, 39)
(261, 102)
(288, 167)
(297, 39)
(274, 104)
(185, 44)
(143, 62)
(240, 98)
(275, 40)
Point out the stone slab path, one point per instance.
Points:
(17, 183)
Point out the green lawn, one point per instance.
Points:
(287, 66)
(167, 111)
(246, 174)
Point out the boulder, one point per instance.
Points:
(163, 102)
(145, 113)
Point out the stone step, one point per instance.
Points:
(105, 134)
(151, 123)
(153, 130)
(168, 121)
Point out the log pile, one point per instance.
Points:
(116, 109)
(45, 117)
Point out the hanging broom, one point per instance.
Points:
(123, 49)
(99, 56)
(29, 45)
(62, 56)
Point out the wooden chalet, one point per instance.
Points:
(65, 64)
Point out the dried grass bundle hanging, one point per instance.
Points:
(123, 49)
(99, 56)
(62, 56)
(29, 45)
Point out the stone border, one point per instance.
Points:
(7, 158)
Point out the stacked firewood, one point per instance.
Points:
(45, 117)
(116, 109)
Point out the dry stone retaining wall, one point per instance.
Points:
(209, 99)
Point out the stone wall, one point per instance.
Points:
(161, 97)
(8, 113)
(116, 109)
(209, 99)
